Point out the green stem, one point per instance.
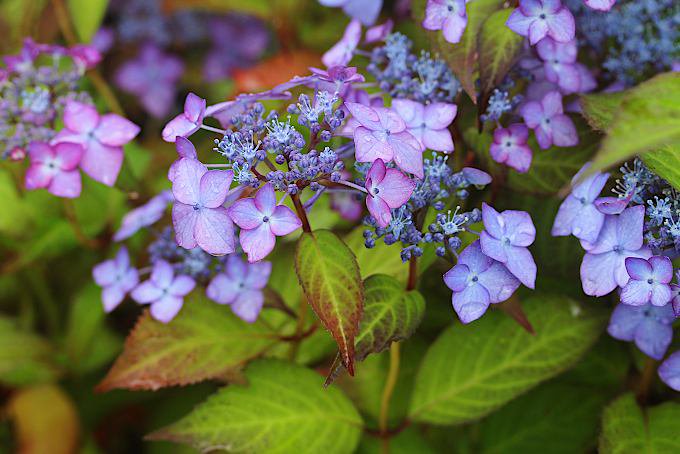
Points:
(392, 376)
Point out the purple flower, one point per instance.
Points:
(449, 16)
(537, 19)
(675, 296)
(240, 286)
(336, 79)
(189, 121)
(649, 326)
(387, 189)
(669, 371)
(548, 121)
(382, 134)
(578, 215)
(152, 77)
(600, 5)
(366, 11)
(343, 51)
(198, 217)
(510, 147)
(506, 237)
(379, 32)
(102, 137)
(346, 205)
(478, 281)
(611, 205)
(476, 177)
(559, 63)
(55, 168)
(143, 216)
(429, 124)
(604, 265)
(649, 281)
(261, 220)
(116, 277)
(163, 291)
(85, 55)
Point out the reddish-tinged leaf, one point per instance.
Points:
(329, 275)
(274, 71)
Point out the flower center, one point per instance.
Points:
(265, 219)
(650, 281)
(376, 191)
(475, 278)
(196, 207)
(508, 144)
(618, 249)
(542, 16)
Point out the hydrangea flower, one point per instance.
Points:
(649, 281)
(261, 220)
(188, 122)
(185, 150)
(55, 168)
(366, 11)
(578, 214)
(387, 189)
(510, 147)
(506, 237)
(449, 16)
(164, 291)
(669, 371)
(343, 51)
(559, 63)
(143, 216)
(549, 123)
(382, 134)
(240, 286)
(428, 123)
(116, 277)
(649, 326)
(102, 137)
(198, 217)
(536, 19)
(379, 32)
(477, 281)
(604, 265)
(600, 5)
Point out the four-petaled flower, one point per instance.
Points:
(188, 122)
(604, 265)
(549, 122)
(649, 326)
(343, 51)
(649, 281)
(537, 19)
(382, 134)
(116, 277)
(449, 16)
(600, 5)
(477, 281)
(261, 220)
(164, 291)
(198, 217)
(55, 168)
(510, 147)
(559, 63)
(506, 237)
(387, 189)
(143, 216)
(429, 124)
(102, 137)
(240, 285)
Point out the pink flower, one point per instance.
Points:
(429, 124)
(600, 5)
(55, 168)
(261, 221)
(188, 122)
(102, 137)
(549, 123)
(163, 291)
(382, 134)
(387, 189)
(116, 277)
(143, 216)
(198, 217)
(343, 51)
(537, 19)
(510, 147)
(449, 16)
(379, 32)
(559, 63)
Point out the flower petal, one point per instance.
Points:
(283, 221)
(257, 243)
(214, 231)
(115, 131)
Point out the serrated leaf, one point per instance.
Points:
(471, 370)
(330, 278)
(557, 418)
(498, 49)
(87, 16)
(627, 429)
(665, 162)
(283, 409)
(206, 340)
(25, 358)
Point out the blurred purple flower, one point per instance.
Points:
(669, 371)
(537, 19)
(143, 216)
(343, 51)
(649, 281)
(549, 123)
(559, 63)
(649, 326)
(116, 277)
(163, 291)
(429, 124)
(510, 147)
(366, 11)
(449, 16)
(387, 189)
(378, 32)
(55, 167)
(600, 5)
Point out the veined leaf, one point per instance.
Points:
(627, 429)
(283, 409)
(206, 340)
(498, 49)
(599, 109)
(665, 162)
(87, 16)
(330, 278)
(470, 371)
(25, 358)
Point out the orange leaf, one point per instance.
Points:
(274, 71)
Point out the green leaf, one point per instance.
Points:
(665, 162)
(87, 16)
(206, 340)
(498, 49)
(628, 429)
(599, 109)
(381, 259)
(646, 120)
(469, 371)
(25, 358)
(556, 418)
(98, 206)
(408, 441)
(330, 278)
(283, 409)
